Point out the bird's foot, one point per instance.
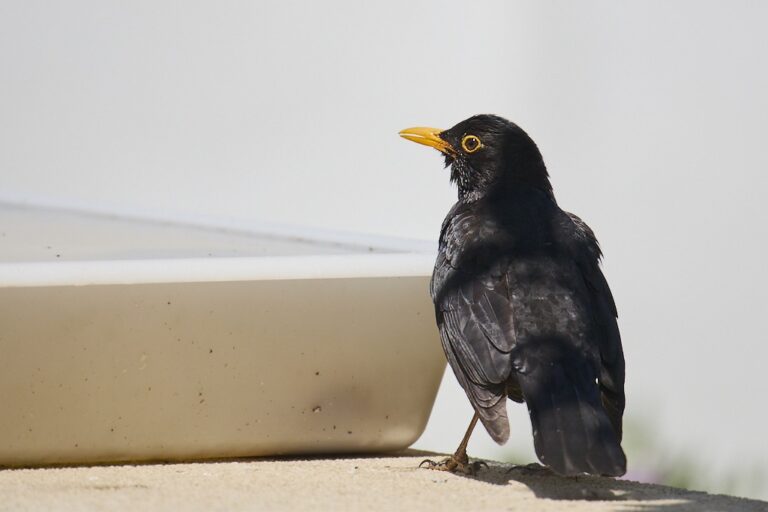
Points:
(454, 464)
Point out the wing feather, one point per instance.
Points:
(612, 371)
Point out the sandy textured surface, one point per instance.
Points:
(390, 483)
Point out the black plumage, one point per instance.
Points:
(522, 307)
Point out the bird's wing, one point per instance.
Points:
(474, 317)
(611, 376)
(477, 332)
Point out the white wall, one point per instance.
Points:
(651, 116)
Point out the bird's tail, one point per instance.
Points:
(571, 430)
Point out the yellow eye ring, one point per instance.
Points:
(471, 143)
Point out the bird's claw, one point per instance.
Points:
(430, 463)
(454, 465)
(480, 464)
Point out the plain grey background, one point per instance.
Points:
(651, 117)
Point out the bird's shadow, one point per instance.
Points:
(544, 483)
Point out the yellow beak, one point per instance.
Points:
(428, 137)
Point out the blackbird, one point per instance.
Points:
(523, 309)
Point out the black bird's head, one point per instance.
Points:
(486, 153)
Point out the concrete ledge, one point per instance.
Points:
(369, 483)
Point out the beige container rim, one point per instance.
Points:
(83, 273)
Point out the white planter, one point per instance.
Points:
(134, 344)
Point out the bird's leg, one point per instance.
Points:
(461, 452)
(459, 461)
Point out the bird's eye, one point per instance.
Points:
(471, 143)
